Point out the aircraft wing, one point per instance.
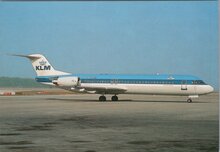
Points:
(104, 90)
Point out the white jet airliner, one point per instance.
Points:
(115, 84)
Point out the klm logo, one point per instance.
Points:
(43, 66)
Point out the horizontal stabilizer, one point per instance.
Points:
(26, 56)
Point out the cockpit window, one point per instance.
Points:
(198, 82)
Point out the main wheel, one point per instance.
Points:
(102, 98)
(189, 100)
(114, 98)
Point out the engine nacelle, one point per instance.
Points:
(67, 81)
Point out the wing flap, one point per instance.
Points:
(105, 90)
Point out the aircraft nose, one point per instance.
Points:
(210, 89)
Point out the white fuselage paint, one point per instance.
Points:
(166, 89)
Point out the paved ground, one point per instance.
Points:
(80, 123)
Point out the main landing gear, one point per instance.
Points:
(114, 98)
(103, 98)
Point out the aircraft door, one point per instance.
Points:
(184, 85)
(195, 89)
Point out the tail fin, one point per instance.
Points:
(41, 65)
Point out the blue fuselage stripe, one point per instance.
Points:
(121, 80)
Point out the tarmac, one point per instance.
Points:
(81, 123)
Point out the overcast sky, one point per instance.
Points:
(112, 37)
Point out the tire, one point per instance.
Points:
(102, 98)
(114, 98)
(189, 100)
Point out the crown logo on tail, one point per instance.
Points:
(43, 62)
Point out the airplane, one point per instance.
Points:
(115, 84)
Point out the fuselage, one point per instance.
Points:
(161, 84)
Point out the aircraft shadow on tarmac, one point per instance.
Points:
(123, 100)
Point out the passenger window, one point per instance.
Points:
(184, 82)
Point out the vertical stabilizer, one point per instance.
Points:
(41, 65)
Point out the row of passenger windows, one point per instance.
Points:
(142, 81)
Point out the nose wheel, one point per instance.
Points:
(102, 98)
(189, 100)
(114, 98)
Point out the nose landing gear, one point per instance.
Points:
(189, 100)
